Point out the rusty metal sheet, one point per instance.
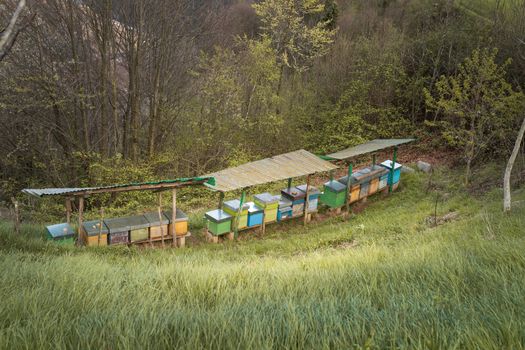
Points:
(281, 167)
(372, 146)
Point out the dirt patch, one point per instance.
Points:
(440, 220)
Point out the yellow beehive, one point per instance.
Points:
(181, 222)
(90, 232)
(354, 193)
(374, 184)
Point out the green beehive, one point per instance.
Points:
(334, 194)
(218, 222)
(61, 233)
(232, 207)
(138, 228)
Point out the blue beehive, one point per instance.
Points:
(397, 170)
(255, 215)
(285, 209)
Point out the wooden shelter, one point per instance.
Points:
(81, 193)
(281, 167)
(369, 147)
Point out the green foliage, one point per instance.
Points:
(479, 105)
(296, 42)
(382, 279)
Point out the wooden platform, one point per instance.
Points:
(181, 240)
(216, 239)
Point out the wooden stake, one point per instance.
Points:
(160, 221)
(221, 199)
(17, 215)
(80, 218)
(307, 201)
(348, 188)
(68, 210)
(173, 216)
(101, 222)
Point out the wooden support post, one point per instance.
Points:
(331, 175)
(17, 215)
(80, 219)
(263, 225)
(237, 217)
(68, 210)
(307, 200)
(221, 200)
(348, 187)
(289, 183)
(181, 242)
(391, 175)
(159, 209)
(373, 160)
(101, 223)
(173, 216)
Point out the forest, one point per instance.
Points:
(168, 89)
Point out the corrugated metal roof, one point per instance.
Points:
(158, 185)
(368, 147)
(281, 167)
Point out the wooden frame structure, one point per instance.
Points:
(281, 167)
(366, 148)
(71, 194)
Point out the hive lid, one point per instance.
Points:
(234, 205)
(136, 222)
(344, 180)
(379, 170)
(388, 164)
(92, 228)
(153, 218)
(266, 198)
(117, 225)
(60, 231)
(254, 209)
(313, 190)
(218, 215)
(285, 202)
(179, 215)
(293, 193)
(335, 186)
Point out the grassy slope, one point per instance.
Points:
(383, 279)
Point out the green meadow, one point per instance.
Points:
(384, 278)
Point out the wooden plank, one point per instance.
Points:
(80, 218)
(68, 210)
(173, 216)
(160, 220)
(307, 201)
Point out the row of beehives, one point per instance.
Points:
(291, 202)
(132, 229)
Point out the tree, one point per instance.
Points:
(296, 37)
(508, 169)
(9, 34)
(478, 105)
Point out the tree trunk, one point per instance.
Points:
(508, 169)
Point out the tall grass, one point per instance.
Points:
(383, 279)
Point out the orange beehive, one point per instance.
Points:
(374, 184)
(181, 222)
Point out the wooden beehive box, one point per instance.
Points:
(61, 233)
(334, 194)
(118, 230)
(218, 222)
(181, 222)
(92, 229)
(158, 225)
(232, 207)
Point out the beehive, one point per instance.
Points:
(118, 230)
(383, 182)
(255, 215)
(218, 222)
(138, 228)
(269, 203)
(387, 164)
(158, 225)
(297, 197)
(313, 197)
(285, 209)
(61, 233)
(181, 222)
(334, 194)
(353, 193)
(232, 208)
(374, 185)
(91, 230)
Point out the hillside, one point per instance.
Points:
(386, 278)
